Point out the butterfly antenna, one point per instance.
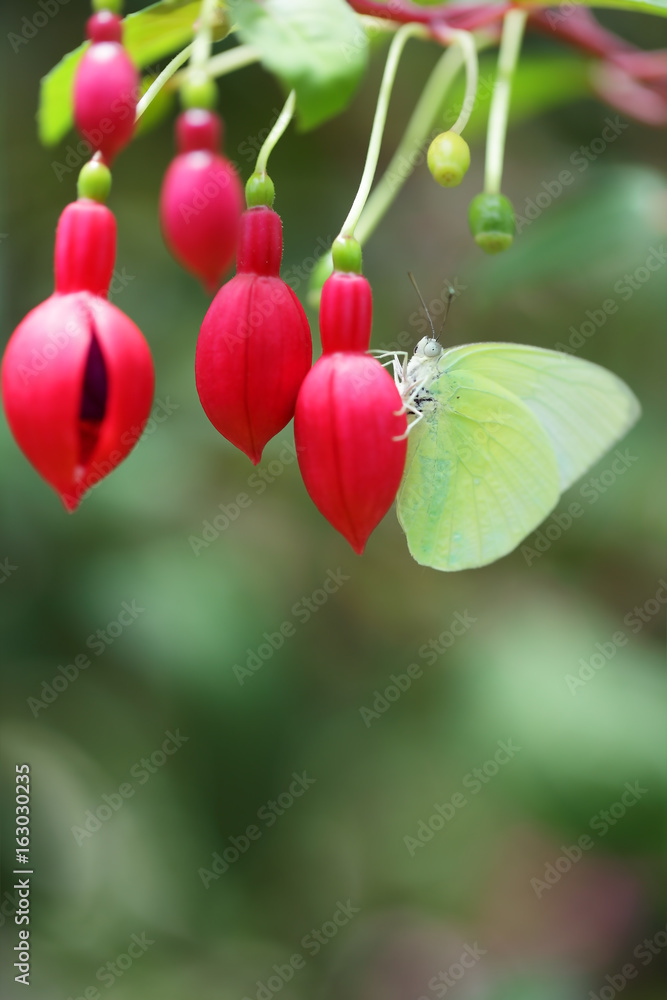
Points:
(424, 306)
(451, 294)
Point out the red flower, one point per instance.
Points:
(201, 199)
(254, 348)
(77, 375)
(350, 424)
(106, 88)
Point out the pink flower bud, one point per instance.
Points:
(201, 199)
(254, 348)
(349, 432)
(77, 375)
(106, 89)
(350, 424)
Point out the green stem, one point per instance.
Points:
(466, 42)
(282, 121)
(375, 141)
(220, 65)
(162, 78)
(411, 149)
(201, 47)
(510, 46)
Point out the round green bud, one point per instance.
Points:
(259, 190)
(346, 254)
(198, 90)
(115, 6)
(448, 158)
(492, 222)
(94, 181)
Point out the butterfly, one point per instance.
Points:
(497, 433)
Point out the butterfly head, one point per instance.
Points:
(429, 348)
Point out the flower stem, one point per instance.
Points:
(411, 149)
(467, 45)
(162, 78)
(281, 123)
(375, 141)
(201, 46)
(510, 46)
(220, 65)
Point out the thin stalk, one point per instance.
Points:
(395, 50)
(201, 47)
(220, 65)
(162, 78)
(276, 133)
(411, 149)
(510, 46)
(466, 42)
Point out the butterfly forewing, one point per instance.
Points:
(480, 475)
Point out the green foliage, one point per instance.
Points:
(319, 50)
(149, 35)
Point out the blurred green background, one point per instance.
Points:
(535, 666)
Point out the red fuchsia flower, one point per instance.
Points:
(201, 199)
(350, 425)
(77, 375)
(106, 88)
(254, 349)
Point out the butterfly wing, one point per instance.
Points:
(583, 408)
(480, 474)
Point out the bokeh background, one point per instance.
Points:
(499, 880)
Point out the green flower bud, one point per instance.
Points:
(259, 190)
(492, 222)
(198, 90)
(94, 181)
(448, 158)
(346, 254)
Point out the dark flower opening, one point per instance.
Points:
(93, 401)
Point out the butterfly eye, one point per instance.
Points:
(432, 349)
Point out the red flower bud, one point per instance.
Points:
(201, 199)
(348, 419)
(106, 88)
(346, 312)
(254, 348)
(77, 375)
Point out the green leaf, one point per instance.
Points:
(658, 7)
(317, 49)
(149, 35)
